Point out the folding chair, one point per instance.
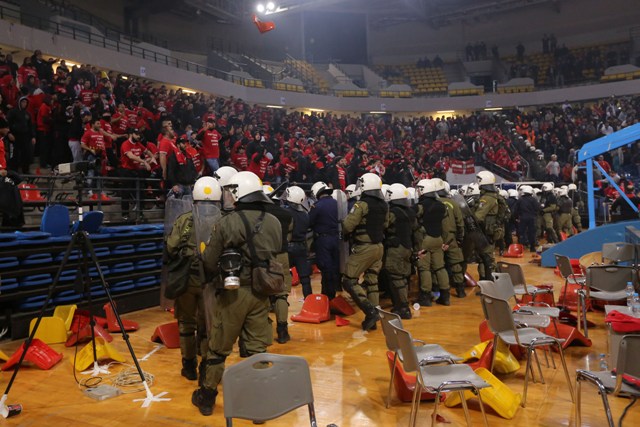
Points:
(427, 353)
(519, 282)
(501, 323)
(438, 379)
(606, 283)
(266, 386)
(570, 279)
(607, 382)
(502, 288)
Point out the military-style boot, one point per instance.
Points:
(424, 299)
(204, 399)
(242, 348)
(460, 293)
(371, 317)
(189, 369)
(283, 333)
(403, 311)
(444, 298)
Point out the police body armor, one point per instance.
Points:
(433, 213)
(400, 233)
(378, 210)
(285, 219)
(565, 205)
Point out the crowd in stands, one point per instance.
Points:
(131, 128)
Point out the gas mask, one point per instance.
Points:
(230, 263)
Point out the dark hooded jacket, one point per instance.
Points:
(20, 121)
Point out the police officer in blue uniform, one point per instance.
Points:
(323, 219)
(298, 256)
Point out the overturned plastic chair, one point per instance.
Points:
(266, 386)
(427, 353)
(104, 351)
(341, 306)
(112, 321)
(315, 309)
(437, 379)
(38, 354)
(612, 383)
(167, 334)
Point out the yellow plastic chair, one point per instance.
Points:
(104, 351)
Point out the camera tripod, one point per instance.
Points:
(82, 244)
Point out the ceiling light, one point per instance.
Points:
(493, 109)
(445, 112)
(260, 8)
(317, 110)
(274, 106)
(188, 91)
(378, 112)
(271, 6)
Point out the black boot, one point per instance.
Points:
(189, 369)
(424, 299)
(403, 311)
(371, 317)
(242, 349)
(283, 332)
(444, 297)
(204, 399)
(460, 293)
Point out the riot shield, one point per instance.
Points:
(343, 211)
(173, 208)
(205, 215)
(473, 230)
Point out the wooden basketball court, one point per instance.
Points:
(349, 371)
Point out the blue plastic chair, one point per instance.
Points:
(123, 267)
(124, 286)
(146, 264)
(9, 285)
(36, 259)
(67, 297)
(91, 222)
(123, 250)
(8, 262)
(36, 280)
(147, 281)
(33, 303)
(55, 220)
(7, 237)
(147, 247)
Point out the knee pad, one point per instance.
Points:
(457, 268)
(215, 360)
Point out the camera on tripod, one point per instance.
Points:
(230, 263)
(78, 167)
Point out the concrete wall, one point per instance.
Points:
(30, 39)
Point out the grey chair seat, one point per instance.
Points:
(528, 336)
(521, 290)
(609, 381)
(432, 353)
(542, 311)
(435, 375)
(532, 320)
(608, 296)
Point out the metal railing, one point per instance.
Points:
(144, 197)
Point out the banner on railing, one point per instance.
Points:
(461, 167)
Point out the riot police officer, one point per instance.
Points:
(242, 310)
(526, 211)
(452, 236)
(298, 256)
(365, 224)
(223, 175)
(398, 244)
(510, 226)
(189, 308)
(279, 301)
(431, 213)
(549, 205)
(323, 219)
(565, 208)
(353, 194)
(486, 213)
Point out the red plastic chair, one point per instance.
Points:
(112, 322)
(515, 250)
(30, 194)
(406, 384)
(167, 334)
(39, 354)
(315, 309)
(341, 306)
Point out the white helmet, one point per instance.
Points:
(486, 178)
(425, 186)
(537, 191)
(413, 196)
(295, 194)
(562, 192)
(267, 189)
(463, 190)
(447, 187)
(224, 174)
(513, 193)
(207, 188)
(526, 189)
(439, 184)
(384, 189)
(453, 192)
(396, 192)
(504, 194)
(246, 183)
(571, 187)
(473, 189)
(547, 186)
(352, 191)
(369, 182)
(318, 188)
(564, 187)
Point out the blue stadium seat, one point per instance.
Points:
(75, 255)
(147, 247)
(146, 281)
(102, 251)
(33, 303)
(36, 259)
(123, 250)
(97, 291)
(146, 264)
(7, 237)
(123, 267)
(7, 285)
(65, 297)
(8, 262)
(55, 220)
(123, 286)
(91, 222)
(9, 244)
(36, 280)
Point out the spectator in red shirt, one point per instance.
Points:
(259, 162)
(135, 162)
(92, 143)
(239, 158)
(210, 138)
(86, 94)
(181, 173)
(605, 165)
(44, 140)
(166, 147)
